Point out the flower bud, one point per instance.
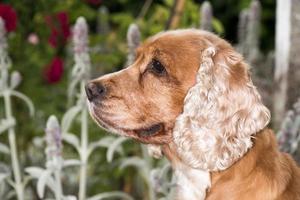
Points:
(15, 79)
(53, 139)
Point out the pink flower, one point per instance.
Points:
(54, 71)
(60, 29)
(9, 15)
(33, 38)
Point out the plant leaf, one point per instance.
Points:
(26, 180)
(69, 197)
(113, 147)
(26, 100)
(4, 148)
(133, 161)
(71, 139)
(11, 194)
(103, 142)
(69, 117)
(34, 172)
(42, 181)
(71, 162)
(106, 195)
(6, 124)
(3, 176)
(11, 183)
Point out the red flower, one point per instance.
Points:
(9, 15)
(54, 70)
(60, 29)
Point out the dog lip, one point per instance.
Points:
(151, 131)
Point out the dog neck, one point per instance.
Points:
(192, 184)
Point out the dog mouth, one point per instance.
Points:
(150, 131)
(154, 134)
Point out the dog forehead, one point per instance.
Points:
(172, 41)
(175, 34)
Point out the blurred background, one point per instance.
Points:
(40, 46)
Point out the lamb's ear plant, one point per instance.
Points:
(8, 83)
(248, 32)
(289, 133)
(160, 183)
(206, 16)
(5, 192)
(248, 45)
(156, 175)
(133, 41)
(103, 27)
(207, 21)
(50, 176)
(242, 31)
(80, 76)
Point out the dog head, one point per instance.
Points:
(186, 86)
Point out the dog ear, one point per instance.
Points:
(222, 111)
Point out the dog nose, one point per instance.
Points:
(94, 90)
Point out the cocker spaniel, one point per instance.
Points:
(190, 96)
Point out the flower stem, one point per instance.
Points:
(58, 191)
(84, 147)
(13, 148)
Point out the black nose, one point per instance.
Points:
(94, 91)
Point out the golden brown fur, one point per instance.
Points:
(263, 173)
(210, 118)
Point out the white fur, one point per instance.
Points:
(217, 123)
(191, 183)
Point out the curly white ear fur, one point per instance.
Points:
(222, 111)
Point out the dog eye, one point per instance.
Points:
(157, 67)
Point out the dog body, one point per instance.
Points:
(263, 173)
(189, 94)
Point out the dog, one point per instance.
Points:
(189, 95)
